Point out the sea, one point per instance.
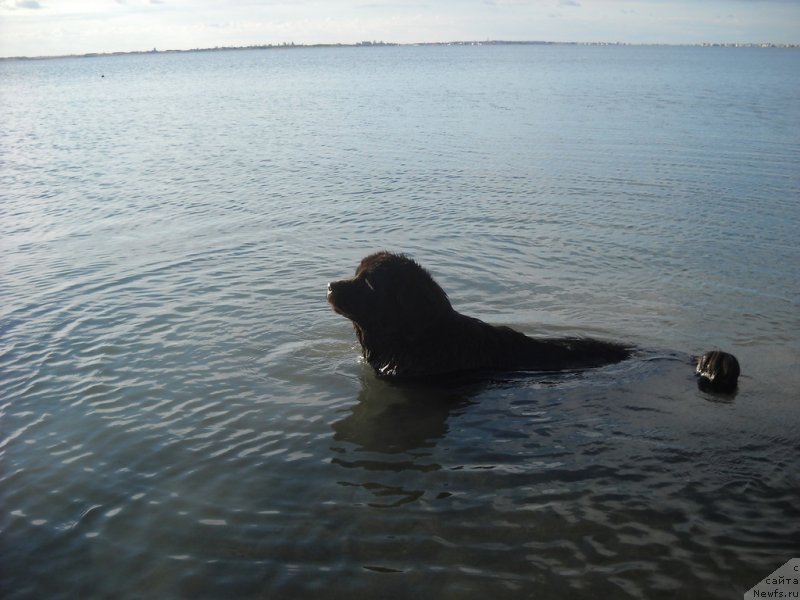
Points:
(182, 415)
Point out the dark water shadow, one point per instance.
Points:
(386, 439)
(394, 433)
(394, 418)
(714, 395)
(391, 418)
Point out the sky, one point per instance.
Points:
(59, 27)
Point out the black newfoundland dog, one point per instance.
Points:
(408, 330)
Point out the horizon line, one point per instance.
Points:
(367, 44)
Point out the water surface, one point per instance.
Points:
(183, 416)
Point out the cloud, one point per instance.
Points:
(507, 2)
(31, 4)
(568, 3)
(390, 5)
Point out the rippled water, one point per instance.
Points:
(183, 416)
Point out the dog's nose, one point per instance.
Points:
(331, 294)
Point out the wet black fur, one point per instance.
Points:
(408, 329)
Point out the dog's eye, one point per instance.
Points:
(369, 285)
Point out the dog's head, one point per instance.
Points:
(390, 296)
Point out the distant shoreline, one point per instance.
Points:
(292, 45)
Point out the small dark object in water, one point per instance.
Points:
(718, 371)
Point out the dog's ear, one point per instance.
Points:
(421, 307)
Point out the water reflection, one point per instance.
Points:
(389, 436)
(399, 418)
(713, 395)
